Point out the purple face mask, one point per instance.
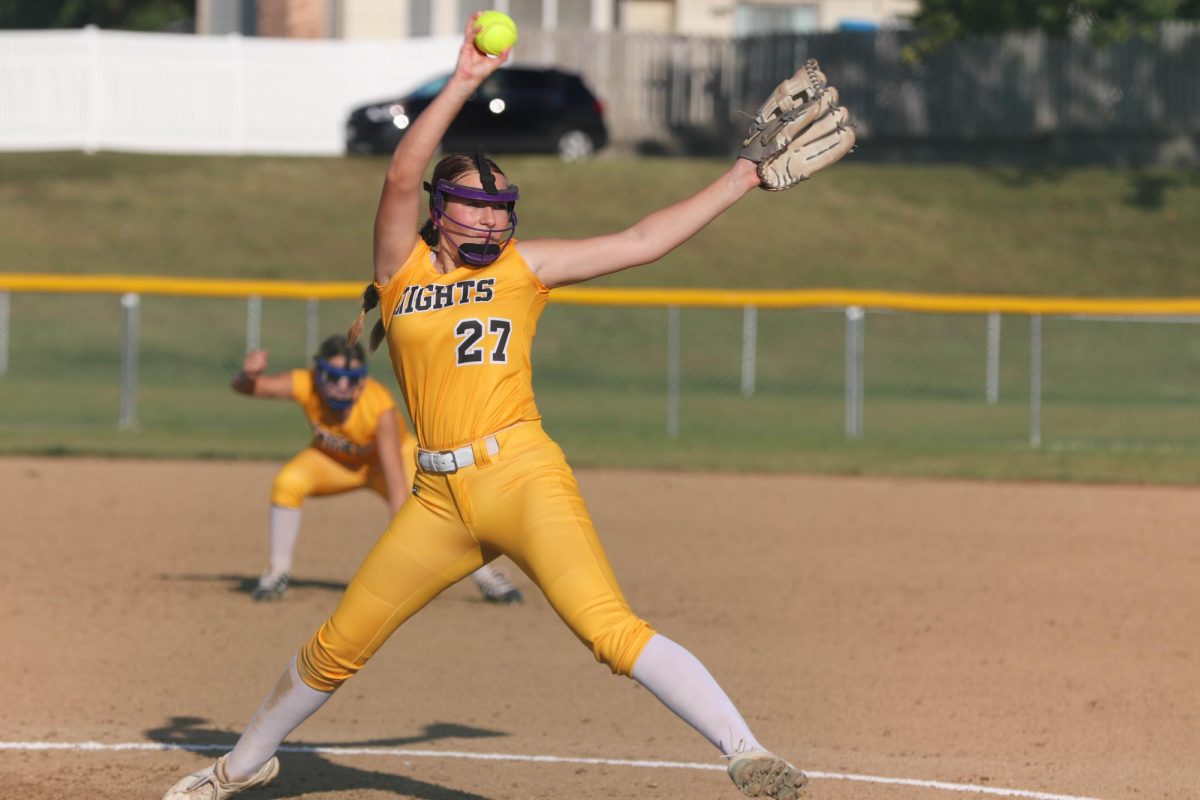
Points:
(477, 253)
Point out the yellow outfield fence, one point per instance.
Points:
(611, 296)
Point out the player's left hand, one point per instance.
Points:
(799, 130)
(254, 364)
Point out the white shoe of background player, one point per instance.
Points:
(495, 587)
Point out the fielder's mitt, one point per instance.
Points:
(798, 131)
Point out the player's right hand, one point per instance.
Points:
(473, 66)
(255, 363)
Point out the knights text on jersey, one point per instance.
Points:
(350, 440)
(461, 343)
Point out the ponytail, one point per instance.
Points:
(377, 333)
(370, 299)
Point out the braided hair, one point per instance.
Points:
(370, 299)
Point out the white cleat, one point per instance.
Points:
(759, 773)
(495, 587)
(270, 589)
(211, 783)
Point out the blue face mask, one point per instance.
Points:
(329, 380)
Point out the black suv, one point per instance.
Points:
(517, 109)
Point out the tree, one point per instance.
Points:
(132, 15)
(1105, 21)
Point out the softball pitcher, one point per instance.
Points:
(460, 301)
(359, 441)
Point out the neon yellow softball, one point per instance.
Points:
(497, 32)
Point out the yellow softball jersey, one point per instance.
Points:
(460, 344)
(351, 440)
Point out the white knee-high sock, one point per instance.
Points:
(285, 529)
(289, 703)
(680, 681)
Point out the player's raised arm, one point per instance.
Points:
(798, 131)
(558, 262)
(397, 219)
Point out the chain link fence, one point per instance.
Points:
(745, 387)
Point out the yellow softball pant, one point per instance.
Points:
(522, 502)
(313, 473)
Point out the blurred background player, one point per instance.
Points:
(359, 441)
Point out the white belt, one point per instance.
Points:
(447, 461)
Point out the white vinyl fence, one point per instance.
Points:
(104, 90)
(1137, 101)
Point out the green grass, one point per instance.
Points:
(1119, 399)
(928, 228)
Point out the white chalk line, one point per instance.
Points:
(607, 762)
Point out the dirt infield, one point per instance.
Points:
(1020, 638)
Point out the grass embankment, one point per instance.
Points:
(1118, 397)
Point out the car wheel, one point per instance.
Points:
(574, 144)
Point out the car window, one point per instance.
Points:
(514, 83)
(578, 91)
(493, 86)
(524, 81)
(429, 90)
(502, 83)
